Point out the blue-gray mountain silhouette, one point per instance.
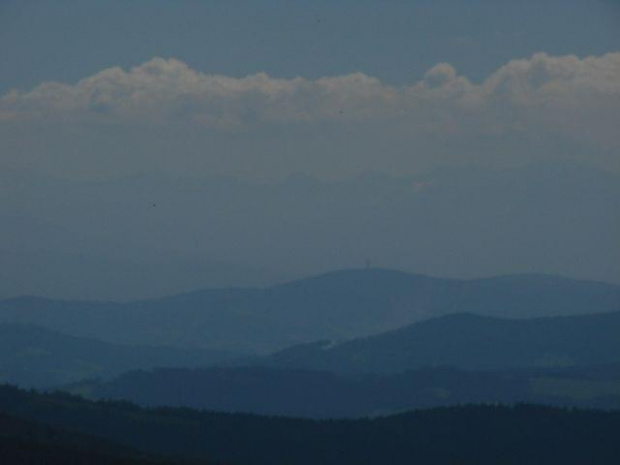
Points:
(335, 306)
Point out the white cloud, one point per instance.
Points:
(568, 95)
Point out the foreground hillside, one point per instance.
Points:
(336, 306)
(468, 341)
(26, 442)
(313, 394)
(465, 435)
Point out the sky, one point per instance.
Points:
(416, 102)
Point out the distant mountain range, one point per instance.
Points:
(336, 306)
(557, 360)
(568, 361)
(32, 356)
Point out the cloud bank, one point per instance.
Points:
(568, 95)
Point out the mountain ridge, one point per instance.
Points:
(466, 341)
(339, 305)
(34, 356)
(315, 394)
(504, 277)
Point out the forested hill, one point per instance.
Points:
(25, 442)
(468, 341)
(478, 435)
(312, 394)
(336, 306)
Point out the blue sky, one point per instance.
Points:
(396, 41)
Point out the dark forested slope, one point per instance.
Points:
(25, 442)
(466, 435)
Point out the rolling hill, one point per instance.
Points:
(467, 341)
(310, 394)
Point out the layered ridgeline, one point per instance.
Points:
(571, 361)
(312, 394)
(467, 435)
(467, 341)
(334, 306)
(32, 356)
